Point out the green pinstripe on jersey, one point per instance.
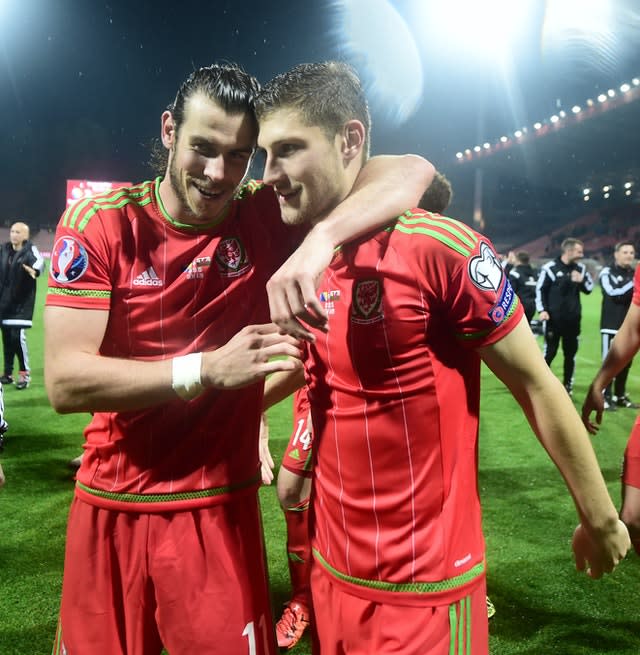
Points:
(83, 293)
(407, 587)
(448, 231)
(249, 188)
(167, 498)
(453, 234)
(58, 647)
(296, 559)
(187, 226)
(77, 217)
(460, 627)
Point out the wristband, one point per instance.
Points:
(185, 380)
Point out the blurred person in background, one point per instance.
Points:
(524, 279)
(438, 195)
(560, 284)
(20, 264)
(4, 426)
(616, 282)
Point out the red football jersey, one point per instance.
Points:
(395, 394)
(170, 289)
(636, 286)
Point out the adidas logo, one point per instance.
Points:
(148, 278)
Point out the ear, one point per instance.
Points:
(353, 137)
(167, 130)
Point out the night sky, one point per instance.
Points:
(83, 82)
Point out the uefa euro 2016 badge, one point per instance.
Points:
(366, 301)
(329, 298)
(69, 260)
(485, 270)
(231, 257)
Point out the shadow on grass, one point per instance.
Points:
(520, 622)
(35, 640)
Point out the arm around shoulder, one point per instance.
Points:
(386, 186)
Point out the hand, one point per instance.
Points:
(544, 316)
(600, 553)
(292, 289)
(266, 461)
(577, 276)
(594, 401)
(30, 271)
(247, 357)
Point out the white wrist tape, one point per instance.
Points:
(186, 375)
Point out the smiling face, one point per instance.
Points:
(208, 158)
(625, 255)
(306, 168)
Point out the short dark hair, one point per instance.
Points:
(326, 94)
(437, 196)
(227, 84)
(620, 244)
(569, 243)
(523, 257)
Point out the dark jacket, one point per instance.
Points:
(616, 283)
(17, 287)
(523, 279)
(558, 295)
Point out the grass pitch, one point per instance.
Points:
(543, 605)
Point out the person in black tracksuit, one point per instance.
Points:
(20, 265)
(558, 302)
(524, 279)
(616, 282)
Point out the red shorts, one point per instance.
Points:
(345, 624)
(297, 456)
(192, 581)
(631, 466)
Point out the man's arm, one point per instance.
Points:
(542, 292)
(601, 540)
(78, 379)
(624, 346)
(586, 285)
(617, 294)
(280, 386)
(277, 387)
(385, 187)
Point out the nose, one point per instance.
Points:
(214, 168)
(272, 173)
